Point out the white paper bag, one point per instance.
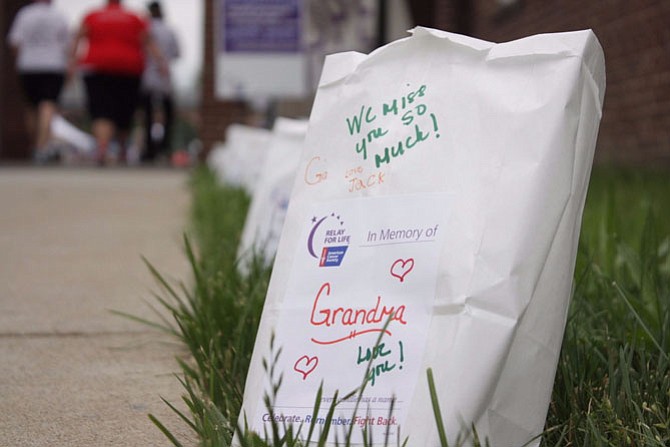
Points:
(442, 183)
(272, 193)
(238, 162)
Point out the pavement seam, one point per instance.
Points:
(8, 335)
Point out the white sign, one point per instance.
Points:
(361, 263)
(260, 49)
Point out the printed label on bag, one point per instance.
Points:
(365, 270)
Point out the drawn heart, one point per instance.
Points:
(401, 268)
(305, 365)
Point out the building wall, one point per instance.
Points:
(635, 37)
(14, 139)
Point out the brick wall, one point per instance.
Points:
(635, 36)
(636, 40)
(215, 115)
(14, 138)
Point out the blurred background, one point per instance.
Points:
(186, 19)
(246, 61)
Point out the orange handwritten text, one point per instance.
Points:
(343, 317)
(314, 173)
(358, 179)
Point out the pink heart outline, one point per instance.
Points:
(400, 268)
(307, 362)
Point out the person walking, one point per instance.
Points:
(157, 88)
(40, 38)
(112, 67)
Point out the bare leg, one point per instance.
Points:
(31, 124)
(123, 135)
(45, 113)
(103, 131)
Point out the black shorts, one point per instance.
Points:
(40, 87)
(113, 97)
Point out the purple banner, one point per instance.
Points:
(267, 26)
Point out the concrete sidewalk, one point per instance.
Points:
(72, 373)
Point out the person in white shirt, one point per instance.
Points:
(157, 88)
(40, 37)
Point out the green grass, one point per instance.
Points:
(613, 381)
(612, 386)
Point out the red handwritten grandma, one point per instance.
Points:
(344, 317)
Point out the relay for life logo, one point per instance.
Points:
(328, 240)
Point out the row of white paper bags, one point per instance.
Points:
(264, 163)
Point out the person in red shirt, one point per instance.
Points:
(112, 67)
